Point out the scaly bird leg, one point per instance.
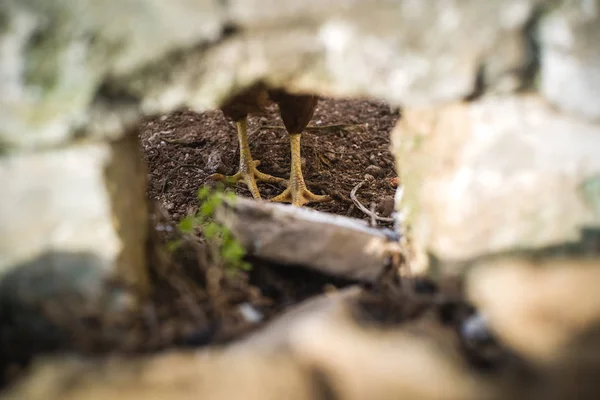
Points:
(296, 192)
(247, 171)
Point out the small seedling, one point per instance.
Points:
(228, 250)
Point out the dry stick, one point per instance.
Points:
(174, 141)
(184, 143)
(373, 214)
(363, 208)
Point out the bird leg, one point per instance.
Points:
(247, 171)
(296, 192)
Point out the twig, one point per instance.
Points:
(373, 214)
(159, 133)
(184, 143)
(363, 208)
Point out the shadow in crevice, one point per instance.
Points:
(586, 248)
(41, 303)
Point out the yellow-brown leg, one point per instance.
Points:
(247, 171)
(296, 192)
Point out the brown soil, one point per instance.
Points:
(195, 302)
(346, 143)
(349, 144)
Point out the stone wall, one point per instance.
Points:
(497, 149)
(517, 170)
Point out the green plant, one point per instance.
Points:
(228, 250)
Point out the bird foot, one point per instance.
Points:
(299, 197)
(250, 175)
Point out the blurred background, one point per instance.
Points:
(440, 158)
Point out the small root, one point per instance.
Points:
(371, 214)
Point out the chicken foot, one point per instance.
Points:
(247, 171)
(297, 193)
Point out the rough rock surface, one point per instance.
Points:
(347, 362)
(511, 171)
(88, 197)
(82, 69)
(570, 58)
(540, 308)
(519, 175)
(490, 168)
(374, 48)
(57, 55)
(334, 245)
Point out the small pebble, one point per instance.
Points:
(330, 289)
(250, 313)
(198, 336)
(386, 206)
(374, 170)
(476, 329)
(213, 162)
(369, 177)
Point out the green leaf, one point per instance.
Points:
(207, 208)
(203, 193)
(173, 245)
(230, 196)
(233, 252)
(230, 181)
(211, 230)
(186, 225)
(245, 266)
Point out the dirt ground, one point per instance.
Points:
(194, 301)
(348, 144)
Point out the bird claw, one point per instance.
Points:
(300, 197)
(249, 174)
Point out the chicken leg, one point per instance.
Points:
(247, 171)
(297, 193)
